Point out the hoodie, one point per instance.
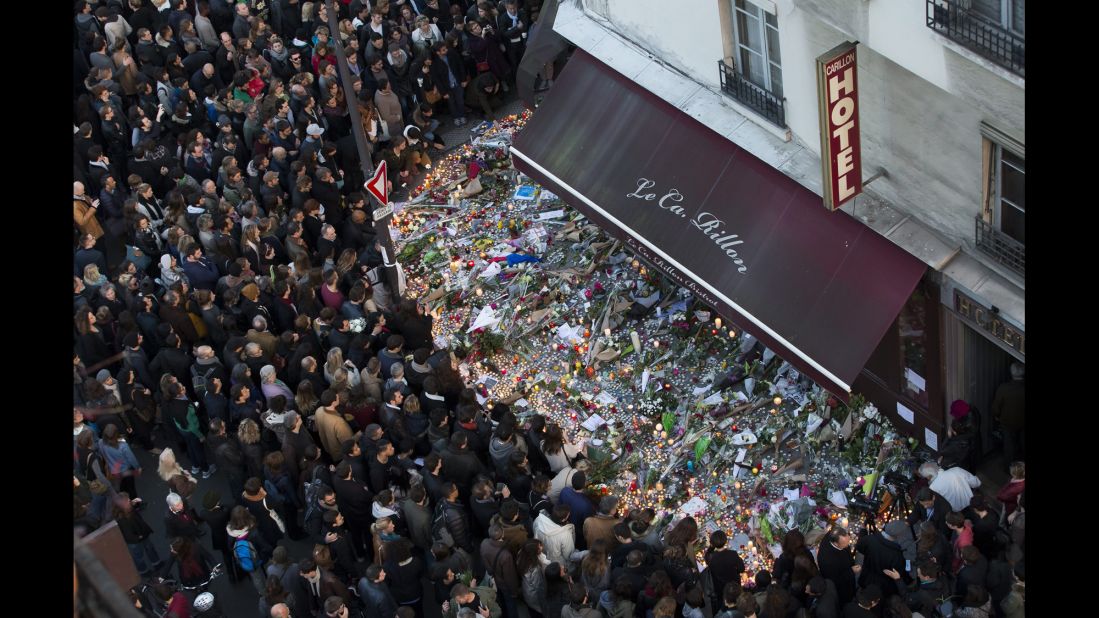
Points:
(500, 452)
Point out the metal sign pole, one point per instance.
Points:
(389, 254)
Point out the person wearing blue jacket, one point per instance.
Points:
(122, 466)
(200, 270)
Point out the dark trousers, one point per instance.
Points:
(1014, 445)
(509, 602)
(515, 55)
(361, 540)
(457, 102)
(196, 451)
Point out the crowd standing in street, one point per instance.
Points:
(226, 321)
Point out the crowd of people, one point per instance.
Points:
(231, 318)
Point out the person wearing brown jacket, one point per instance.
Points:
(332, 428)
(84, 212)
(601, 525)
(500, 563)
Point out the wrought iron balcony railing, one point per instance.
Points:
(978, 33)
(759, 99)
(1001, 247)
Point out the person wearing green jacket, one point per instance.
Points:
(181, 413)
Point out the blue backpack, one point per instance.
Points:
(246, 556)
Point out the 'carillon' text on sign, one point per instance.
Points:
(840, 154)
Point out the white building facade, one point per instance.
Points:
(941, 106)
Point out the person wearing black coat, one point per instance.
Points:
(414, 325)
(822, 598)
(928, 592)
(181, 523)
(227, 455)
(375, 593)
(137, 532)
(836, 562)
(303, 582)
(930, 506)
(974, 571)
(405, 580)
(215, 512)
(725, 564)
(459, 464)
(343, 556)
(455, 518)
(882, 552)
(356, 502)
(327, 193)
(449, 74)
(264, 508)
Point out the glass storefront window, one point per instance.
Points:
(912, 324)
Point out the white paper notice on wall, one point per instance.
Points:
(915, 380)
(931, 438)
(905, 413)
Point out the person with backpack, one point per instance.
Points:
(251, 549)
(316, 507)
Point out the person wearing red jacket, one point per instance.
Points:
(1009, 494)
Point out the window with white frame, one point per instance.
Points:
(757, 50)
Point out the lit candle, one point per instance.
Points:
(480, 292)
(607, 332)
(717, 322)
(778, 400)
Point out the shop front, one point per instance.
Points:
(817, 287)
(981, 341)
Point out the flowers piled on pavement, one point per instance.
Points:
(679, 411)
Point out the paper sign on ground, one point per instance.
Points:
(693, 507)
(594, 422)
(713, 400)
(550, 214)
(484, 320)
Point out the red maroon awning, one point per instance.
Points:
(817, 287)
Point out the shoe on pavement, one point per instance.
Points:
(195, 471)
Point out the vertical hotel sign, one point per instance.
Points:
(840, 150)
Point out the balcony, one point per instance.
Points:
(760, 100)
(978, 33)
(1001, 247)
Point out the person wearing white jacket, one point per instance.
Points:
(954, 484)
(558, 539)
